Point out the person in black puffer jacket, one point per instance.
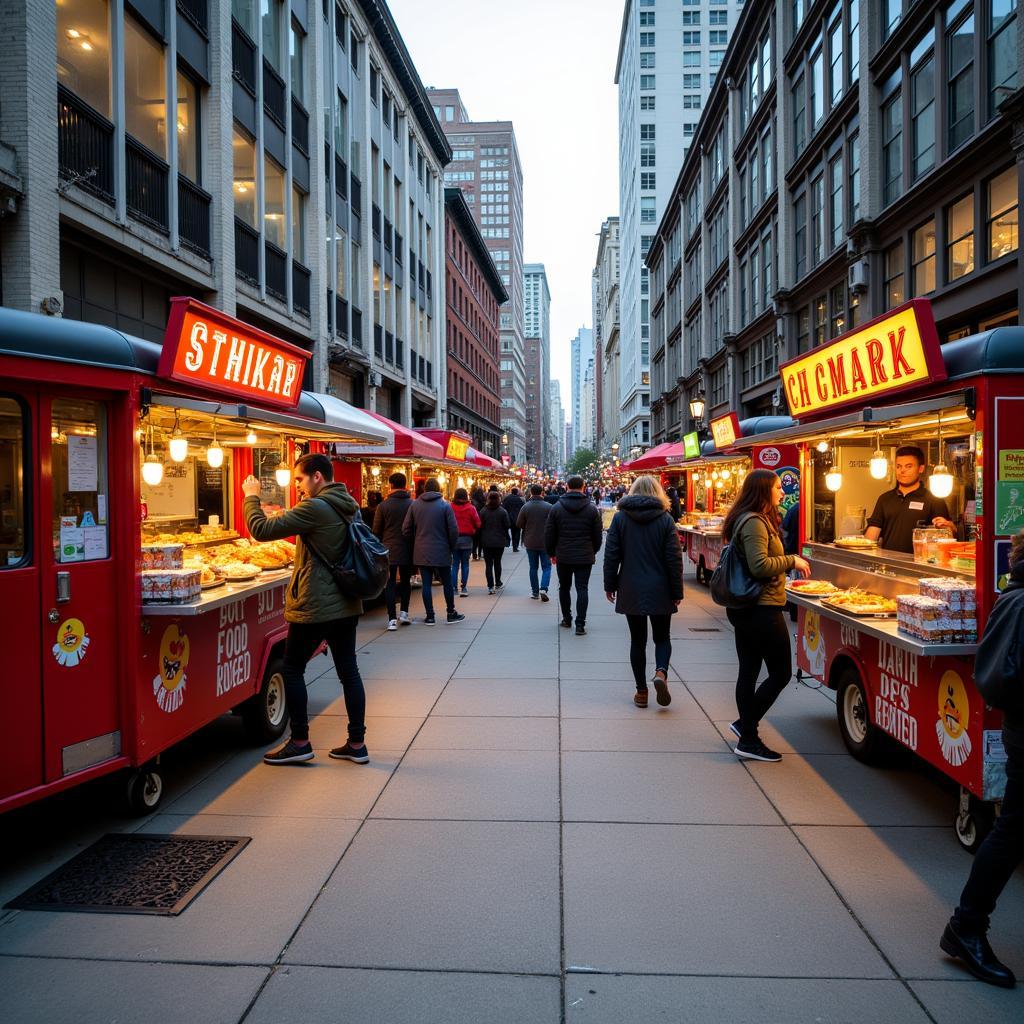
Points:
(512, 503)
(572, 538)
(643, 578)
(387, 525)
(495, 527)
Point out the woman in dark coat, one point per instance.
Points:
(643, 578)
(495, 532)
(479, 499)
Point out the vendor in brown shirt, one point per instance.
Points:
(907, 506)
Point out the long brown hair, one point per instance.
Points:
(755, 496)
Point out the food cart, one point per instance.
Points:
(136, 608)
(894, 633)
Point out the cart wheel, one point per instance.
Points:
(265, 714)
(143, 791)
(865, 741)
(973, 823)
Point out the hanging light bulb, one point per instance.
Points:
(833, 480)
(714, 474)
(726, 474)
(879, 464)
(179, 443)
(214, 453)
(250, 435)
(152, 467)
(940, 483)
(283, 475)
(375, 471)
(822, 446)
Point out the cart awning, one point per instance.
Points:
(655, 458)
(484, 461)
(352, 422)
(408, 443)
(455, 446)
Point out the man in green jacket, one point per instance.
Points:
(315, 608)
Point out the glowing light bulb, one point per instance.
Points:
(215, 456)
(152, 470)
(940, 483)
(178, 446)
(822, 446)
(283, 476)
(375, 471)
(834, 480)
(726, 474)
(879, 465)
(250, 437)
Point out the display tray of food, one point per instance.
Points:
(191, 538)
(856, 543)
(811, 588)
(861, 603)
(277, 554)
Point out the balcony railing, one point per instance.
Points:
(341, 316)
(243, 58)
(247, 252)
(276, 270)
(145, 178)
(300, 127)
(273, 94)
(197, 12)
(85, 146)
(300, 288)
(193, 216)
(357, 326)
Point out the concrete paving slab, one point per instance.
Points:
(657, 732)
(586, 698)
(810, 733)
(381, 661)
(823, 789)
(100, 992)
(398, 696)
(245, 916)
(612, 670)
(492, 697)
(955, 1002)
(477, 896)
(502, 661)
(326, 731)
(699, 899)
(485, 785)
(671, 788)
(903, 883)
(644, 1000)
(476, 733)
(346, 996)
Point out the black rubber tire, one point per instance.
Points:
(143, 792)
(265, 715)
(972, 830)
(864, 740)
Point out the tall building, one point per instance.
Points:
(537, 332)
(830, 182)
(556, 419)
(588, 394)
(581, 352)
(300, 189)
(485, 165)
(474, 293)
(668, 59)
(606, 336)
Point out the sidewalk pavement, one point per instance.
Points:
(525, 845)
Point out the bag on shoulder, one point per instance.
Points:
(362, 569)
(731, 585)
(999, 663)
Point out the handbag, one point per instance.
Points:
(731, 584)
(361, 571)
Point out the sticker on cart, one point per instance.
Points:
(954, 718)
(72, 643)
(814, 644)
(169, 685)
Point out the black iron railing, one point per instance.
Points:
(300, 127)
(341, 316)
(85, 146)
(273, 94)
(145, 181)
(197, 12)
(276, 271)
(357, 326)
(193, 216)
(243, 58)
(247, 252)
(378, 341)
(300, 288)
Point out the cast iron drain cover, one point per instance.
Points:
(134, 874)
(705, 629)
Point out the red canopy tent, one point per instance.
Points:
(411, 443)
(656, 458)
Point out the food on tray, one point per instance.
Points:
(812, 588)
(855, 541)
(238, 571)
(860, 602)
(190, 537)
(209, 578)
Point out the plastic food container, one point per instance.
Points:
(926, 543)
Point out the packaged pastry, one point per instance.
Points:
(162, 556)
(170, 586)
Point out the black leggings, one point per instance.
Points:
(761, 635)
(492, 566)
(660, 628)
(398, 585)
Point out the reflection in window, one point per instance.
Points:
(274, 225)
(297, 57)
(298, 226)
(960, 237)
(188, 128)
(244, 177)
(892, 148)
(145, 88)
(78, 464)
(83, 51)
(244, 12)
(895, 286)
(270, 20)
(1003, 218)
(1002, 51)
(960, 71)
(12, 483)
(923, 258)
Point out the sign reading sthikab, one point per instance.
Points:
(890, 354)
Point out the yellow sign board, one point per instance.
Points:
(1011, 464)
(725, 430)
(895, 352)
(457, 448)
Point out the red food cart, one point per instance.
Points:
(136, 609)
(904, 673)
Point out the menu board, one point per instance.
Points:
(175, 495)
(82, 466)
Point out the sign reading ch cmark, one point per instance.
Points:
(894, 352)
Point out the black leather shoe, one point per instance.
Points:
(977, 956)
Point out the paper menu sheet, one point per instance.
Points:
(82, 463)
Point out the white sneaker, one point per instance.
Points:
(392, 625)
(403, 619)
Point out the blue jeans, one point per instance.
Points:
(444, 577)
(460, 558)
(533, 557)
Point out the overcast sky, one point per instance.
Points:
(547, 66)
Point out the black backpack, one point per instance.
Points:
(999, 663)
(731, 585)
(362, 569)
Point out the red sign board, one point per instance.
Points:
(212, 350)
(725, 430)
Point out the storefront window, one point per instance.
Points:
(960, 238)
(78, 464)
(83, 51)
(145, 88)
(265, 462)
(188, 128)
(274, 224)
(13, 481)
(1003, 217)
(244, 173)
(923, 258)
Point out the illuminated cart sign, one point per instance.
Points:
(457, 448)
(890, 354)
(211, 350)
(691, 445)
(725, 430)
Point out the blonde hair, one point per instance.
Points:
(648, 487)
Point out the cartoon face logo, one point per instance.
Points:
(72, 643)
(169, 683)
(770, 457)
(954, 712)
(814, 644)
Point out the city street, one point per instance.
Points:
(525, 845)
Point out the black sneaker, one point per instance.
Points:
(581, 630)
(544, 596)
(756, 751)
(566, 623)
(347, 753)
(734, 728)
(290, 753)
(499, 586)
(535, 597)
(429, 620)
(455, 616)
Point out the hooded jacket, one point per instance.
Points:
(494, 523)
(1013, 722)
(532, 519)
(643, 561)
(573, 532)
(468, 521)
(312, 594)
(387, 524)
(430, 525)
(512, 504)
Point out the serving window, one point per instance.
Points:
(13, 482)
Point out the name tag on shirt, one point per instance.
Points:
(917, 506)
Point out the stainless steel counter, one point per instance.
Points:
(217, 597)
